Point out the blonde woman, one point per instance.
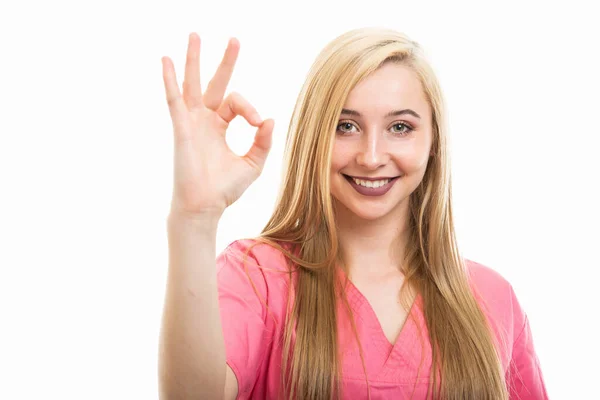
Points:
(355, 288)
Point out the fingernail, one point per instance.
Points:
(256, 118)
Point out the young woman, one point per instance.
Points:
(355, 288)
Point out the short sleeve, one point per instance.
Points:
(524, 375)
(243, 315)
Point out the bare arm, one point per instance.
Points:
(192, 350)
(208, 177)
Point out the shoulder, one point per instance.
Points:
(497, 299)
(254, 253)
(487, 280)
(250, 269)
(491, 288)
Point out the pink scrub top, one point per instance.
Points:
(253, 334)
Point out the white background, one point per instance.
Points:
(86, 167)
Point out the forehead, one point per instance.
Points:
(389, 87)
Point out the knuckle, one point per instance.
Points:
(241, 103)
(189, 87)
(172, 100)
(235, 97)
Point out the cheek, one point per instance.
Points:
(412, 158)
(340, 157)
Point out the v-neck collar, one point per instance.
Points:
(405, 353)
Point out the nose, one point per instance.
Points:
(372, 153)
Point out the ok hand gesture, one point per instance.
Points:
(208, 176)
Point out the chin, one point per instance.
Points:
(368, 213)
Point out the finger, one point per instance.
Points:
(235, 105)
(192, 91)
(262, 144)
(218, 84)
(177, 107)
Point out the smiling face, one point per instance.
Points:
(384, 133)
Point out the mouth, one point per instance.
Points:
(375, 184)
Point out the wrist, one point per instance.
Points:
(207, 218)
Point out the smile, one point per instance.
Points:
(371, 188)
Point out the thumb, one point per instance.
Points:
(262, 144)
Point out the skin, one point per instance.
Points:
(192, 348)
(372, 228)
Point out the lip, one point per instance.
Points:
(365, 191)
(379, 178)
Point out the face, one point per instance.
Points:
(383, 139)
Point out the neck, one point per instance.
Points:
(372, 248)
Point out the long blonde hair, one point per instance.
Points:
(465, 361)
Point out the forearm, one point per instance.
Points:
(192, 350)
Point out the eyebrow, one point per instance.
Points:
(390, 114)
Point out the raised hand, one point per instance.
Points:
(208, 176)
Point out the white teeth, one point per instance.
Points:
(372, 184)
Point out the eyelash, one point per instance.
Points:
(408, 128)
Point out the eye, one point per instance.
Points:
(404, 129)
(400, 128)
(345, 127)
